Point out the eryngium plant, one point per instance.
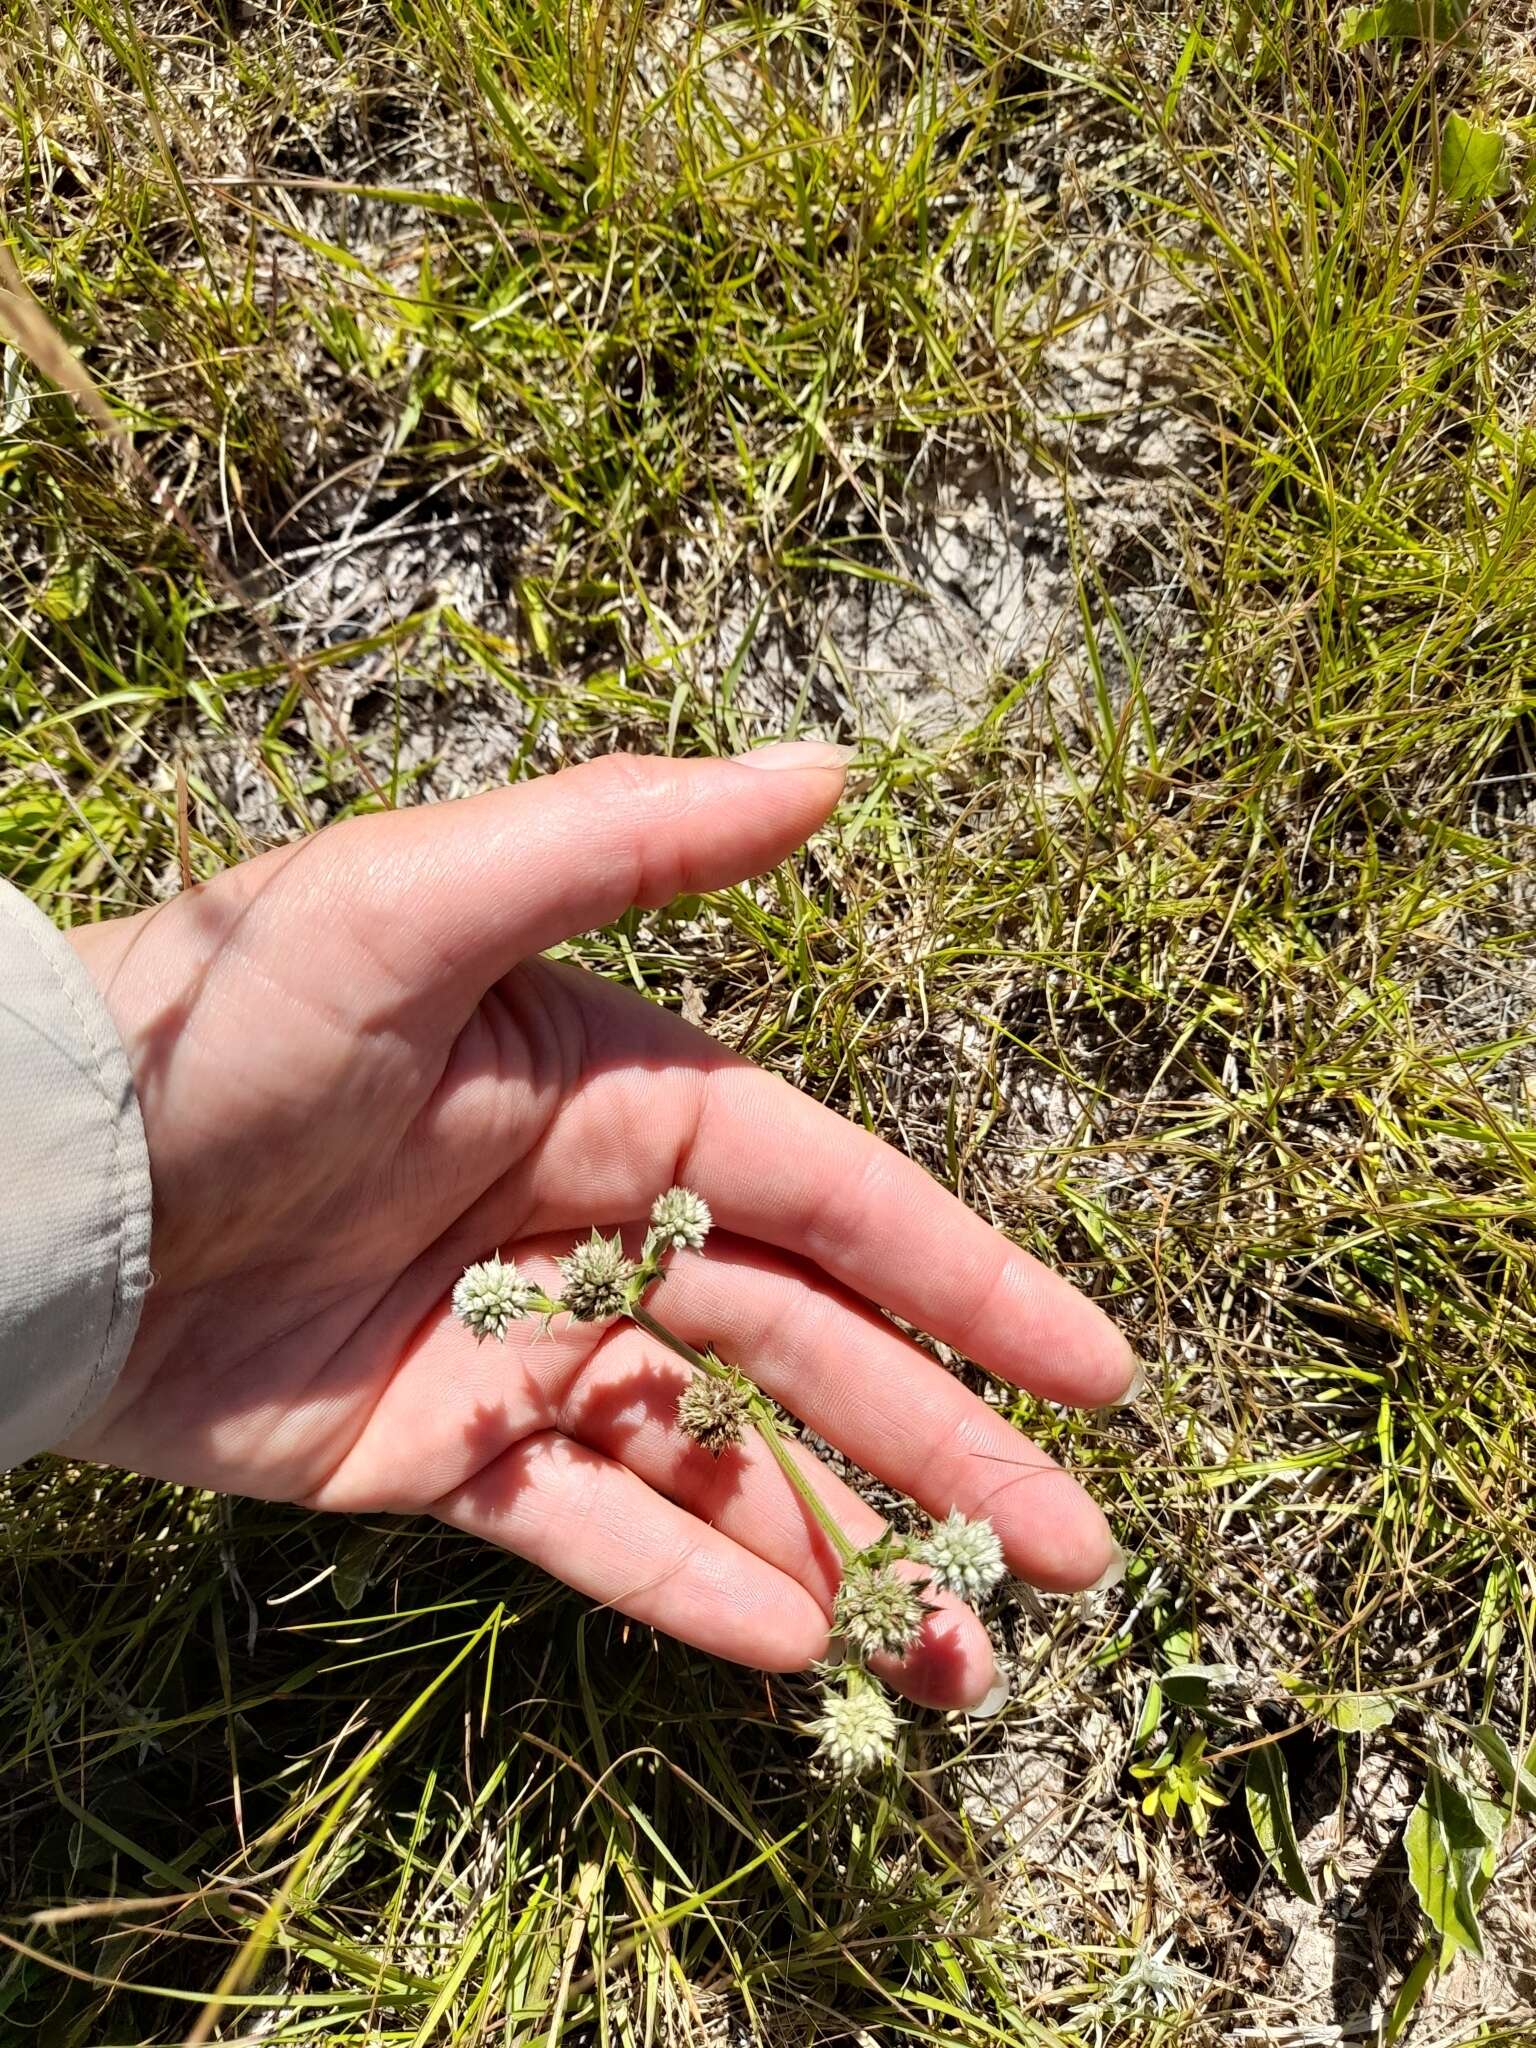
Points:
(879, 1609)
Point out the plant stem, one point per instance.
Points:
(663, 1335)
(766, 1422)
(768, 1429)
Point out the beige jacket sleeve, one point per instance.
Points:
(74, 1189)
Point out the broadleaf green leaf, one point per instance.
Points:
(1446, 1848)
(68, 590)
(359, 1554)
(1403, 21)
(1192, 1685)
(1351, 1713)
(1267, 1790)
(1151, 1713)
(1517, 1781)
(1474, 163)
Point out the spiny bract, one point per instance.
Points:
(489, 1297)
(965, 1557)
(595, 1278)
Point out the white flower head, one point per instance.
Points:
(594, 1279)
(680, 1221)
(965, 1557)
(877, 1611)
(855, 1731)
(488, 1298)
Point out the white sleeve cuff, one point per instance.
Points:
(74, 1189)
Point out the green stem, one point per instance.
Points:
(768, 1429)
(663, 1335)
(766, 1422)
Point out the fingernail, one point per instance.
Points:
(993, 1700)
(1111, 1575)
(796, 754)
(1134, 1391)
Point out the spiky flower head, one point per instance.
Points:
(964, 1557)
(680, 1221)
(489, 1297)
(594, 1279)
(876, 1611)
(714, 1412)
(855, 1730)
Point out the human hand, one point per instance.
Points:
(357, 1075)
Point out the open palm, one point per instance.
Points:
(357, 1075)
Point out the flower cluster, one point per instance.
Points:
(680, 1222)
(715, 1411)
(964, 1557)
(879, 1608)
(595, 1279)
(856, 1729)
(490, 1297)
(875, 1611)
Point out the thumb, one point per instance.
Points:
(487, 881)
